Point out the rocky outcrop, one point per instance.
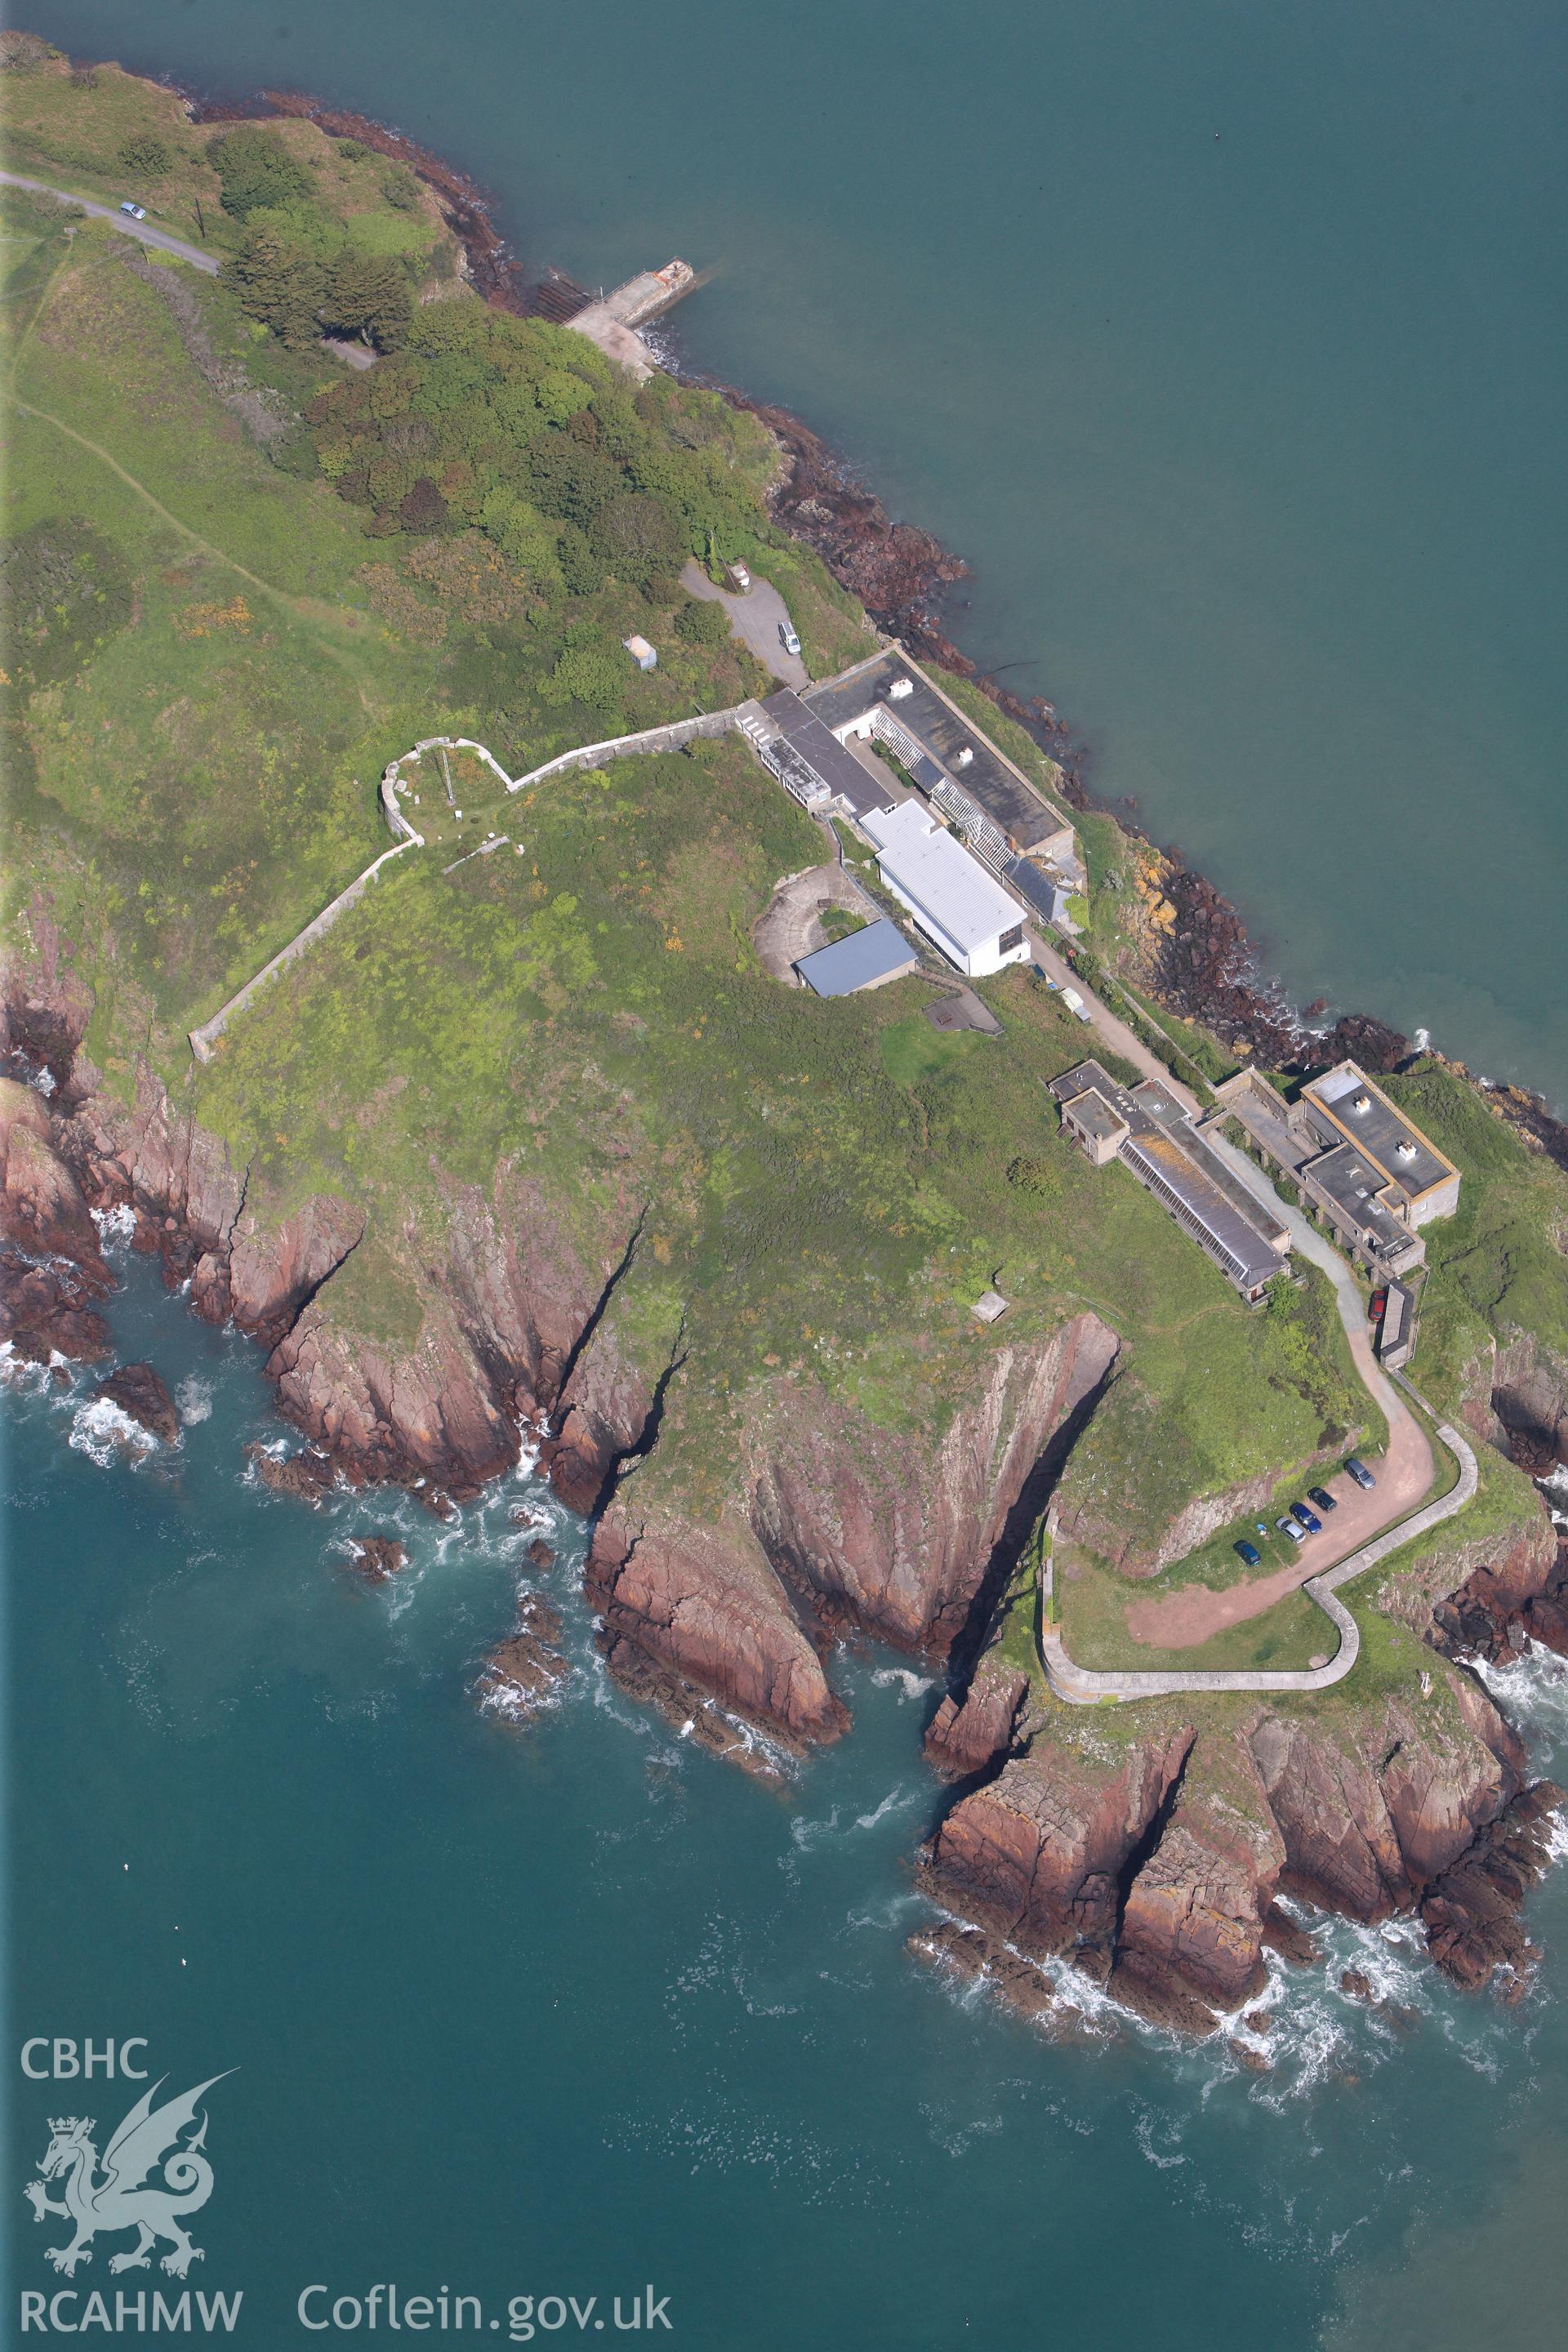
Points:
(45, 1311)
(1341, 1849)
(1530, 1399)
(147, 1156)
(1471, 1913)
(388, 1410)
(523, 1674)
(968, 1735)
(308, 1475)
(42, 1208)
(44, 1007)
(846, 1523)
(377, 1559)
(895, 1534)
(703, 1602)
(1485, 1596)
(142, 1396)
(1189, 1939)
(1150, 1855)
(1041, 1856)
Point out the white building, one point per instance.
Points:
(954, 900)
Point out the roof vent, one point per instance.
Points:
(899, 688)
(1363, 1102)
(1406, 1150)
(964, 757)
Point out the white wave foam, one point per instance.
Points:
(894, 1797)
(105, 1435)
(1164, 2160)
(114, 1224)
(194, 1399)
(908, 1686)
(1533, 1690)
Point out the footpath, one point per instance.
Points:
(144, 231)
(1081, 1686)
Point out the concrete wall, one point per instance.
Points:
(204, 1041)
(710, 725)
(1442, 1201)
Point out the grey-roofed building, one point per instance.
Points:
(1343, 1105)
(1366, 1167)
(890, 698)
(1244, 1237)
(1041, 891)
(1095, 1125)
(1397, 1332)
(795, 745)
(1350, 1192)
(867, 958)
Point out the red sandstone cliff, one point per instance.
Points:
(1147, 1852)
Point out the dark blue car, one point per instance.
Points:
(1322, 1499)
(1307, 1519)
(1250, 1553)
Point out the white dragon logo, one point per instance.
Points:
(147, 2139)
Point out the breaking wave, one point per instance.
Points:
(106, 1435)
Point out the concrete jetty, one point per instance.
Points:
(613, 321)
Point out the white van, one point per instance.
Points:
(1075, 1003)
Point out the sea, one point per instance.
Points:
(1227, 344)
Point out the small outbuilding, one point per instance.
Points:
(868, 958)
(644, 655)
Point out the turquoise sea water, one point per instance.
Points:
(575, 2009)
(1249, 442)
(1254, 440)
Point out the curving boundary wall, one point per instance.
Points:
(1083, 1687)
(670, 738)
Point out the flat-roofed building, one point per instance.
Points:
(1343, 1106)
(1148, 1131)
(808, 760)
(1367, 1169)
(1095, 1125)
(891, 699)
(1397, 1332)
(961, 907)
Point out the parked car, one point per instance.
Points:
(739, 578)
(1307, 1519)
(1075, 1004)
(137, 211)
(1323, 1499)
(1289, 1527)
(1359, 1473)
(1375, 1309)
(1249, 1554)
(787, 638)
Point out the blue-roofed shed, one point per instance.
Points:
(865, 960)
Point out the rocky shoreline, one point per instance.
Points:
(1150, 1855)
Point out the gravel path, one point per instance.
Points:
(755, 619)
(144, 230)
